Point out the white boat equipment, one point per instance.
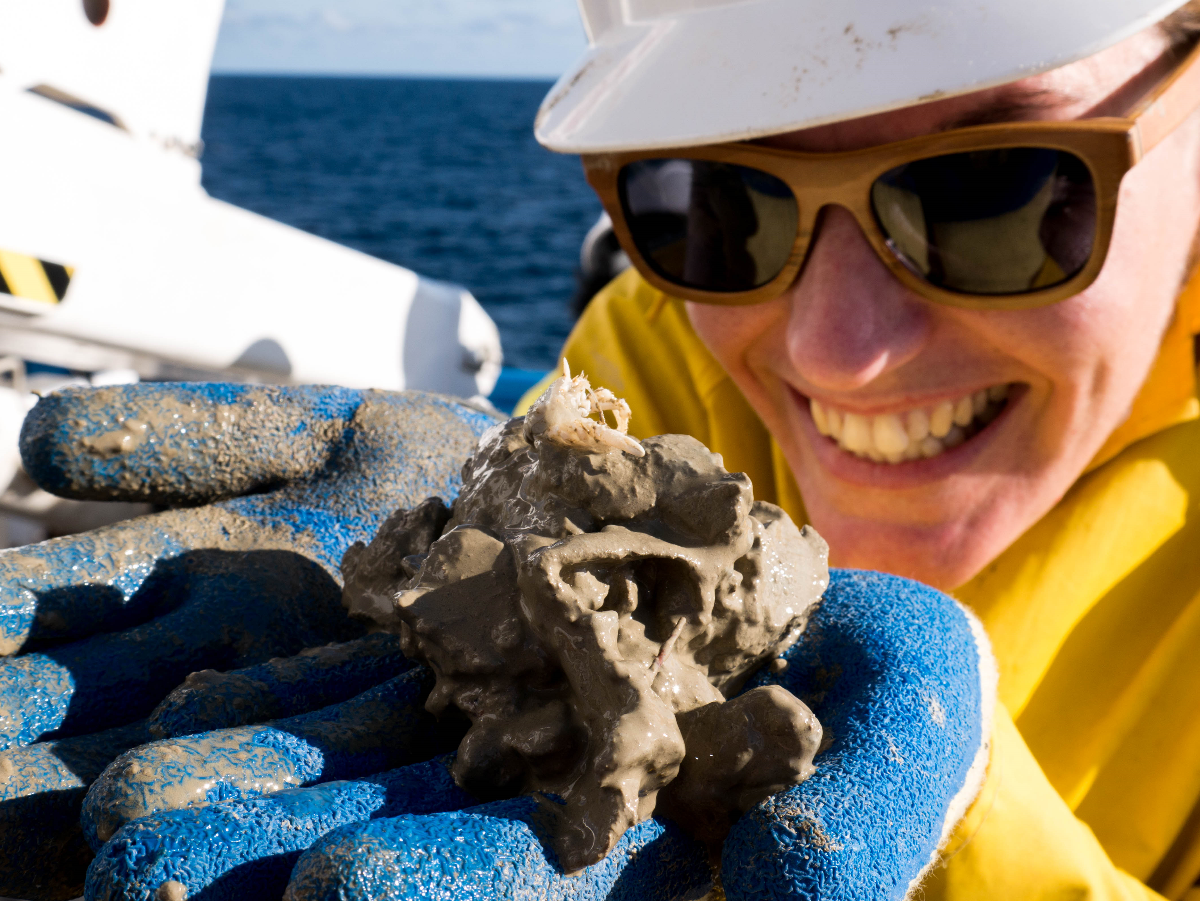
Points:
(116, 265)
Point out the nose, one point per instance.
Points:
(850, 321)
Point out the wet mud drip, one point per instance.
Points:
(593, 613)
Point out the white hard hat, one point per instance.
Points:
(674, 73)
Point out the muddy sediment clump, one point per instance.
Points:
(593, 606)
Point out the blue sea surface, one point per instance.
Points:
(440, 175)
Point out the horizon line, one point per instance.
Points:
(324, 73)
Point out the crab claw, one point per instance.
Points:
(563, 415)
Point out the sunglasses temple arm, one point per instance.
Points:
(1168, 106)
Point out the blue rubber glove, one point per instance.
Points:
(246, 849)
(901, 678)
(230, 584)
(907, 719)
(276, 484)
(281, 687)
(241, 849)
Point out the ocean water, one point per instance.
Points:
(442, 176)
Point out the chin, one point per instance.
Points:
(942, 553)
(913, 562)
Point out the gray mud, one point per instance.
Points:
(590, 613)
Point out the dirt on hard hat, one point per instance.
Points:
(593, 605)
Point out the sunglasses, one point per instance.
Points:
(1005, 216)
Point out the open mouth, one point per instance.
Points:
(915, 434)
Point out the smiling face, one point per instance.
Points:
(1030, 395)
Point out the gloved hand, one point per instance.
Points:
(906, 715)
(277, 483)
(902, 681)
(316, 468)
(895, 671)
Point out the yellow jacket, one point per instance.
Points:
(1094, 616)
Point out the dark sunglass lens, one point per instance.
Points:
(1006, 221)
(706, 225)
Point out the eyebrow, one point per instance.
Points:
(1015, 107)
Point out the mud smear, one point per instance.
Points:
(117, 441)
(590, 612)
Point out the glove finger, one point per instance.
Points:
(193, 443)
(116, 576)
(403, 448)
(283, 686)
(399, 449)
(230, 610)
(901, 677)
(382, 728)
(181, 443)
(246, 849)
(42, 851)
(74, 586)
(494, 851)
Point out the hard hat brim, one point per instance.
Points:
(737, 69)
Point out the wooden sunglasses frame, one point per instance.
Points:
(1108, 146)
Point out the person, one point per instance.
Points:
(927, 283)
(882, 269)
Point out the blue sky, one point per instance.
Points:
(509, 38)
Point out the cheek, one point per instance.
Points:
(1112, 332)
(1056, 350)
(1083, 361)
(737, 335)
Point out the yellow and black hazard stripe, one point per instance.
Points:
(33, 279)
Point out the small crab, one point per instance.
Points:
(562, 415)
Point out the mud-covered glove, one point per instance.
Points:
(893, 669)
(899, 674)
(271, 486)
(903, 680)
(304, 473)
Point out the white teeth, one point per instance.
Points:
(856, 433)
(918, 425)
(923, 432)
(964, 411)
(834, 417)
(941, 419)
(889, 434)
(818, 415)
